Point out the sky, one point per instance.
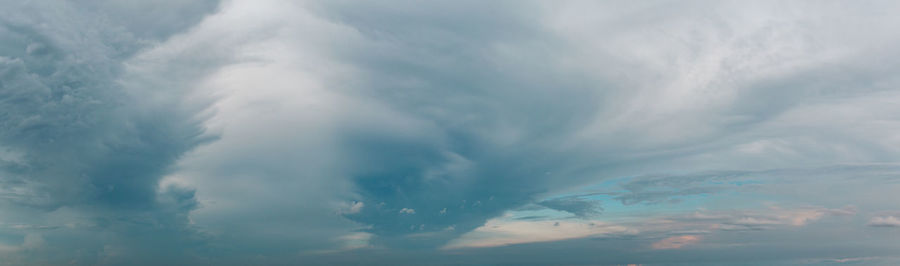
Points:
(396, 132)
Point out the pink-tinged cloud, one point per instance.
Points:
(676, 242)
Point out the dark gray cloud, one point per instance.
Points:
(521, 108)
(487, 118)
(83, 150)
(574, 205)
(474, 164)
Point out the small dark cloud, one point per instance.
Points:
(579, 207)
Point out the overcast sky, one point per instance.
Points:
(268, 132)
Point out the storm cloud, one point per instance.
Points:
(346, 132)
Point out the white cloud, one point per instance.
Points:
(500, 232)
(508, 231)
(884, 221)
(356, 207)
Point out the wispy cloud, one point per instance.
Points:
(676, 242)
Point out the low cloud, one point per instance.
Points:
(687, 228)
(355, 207)
(758, 219)
(501, 232)
(884, 221)
(579, 207)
